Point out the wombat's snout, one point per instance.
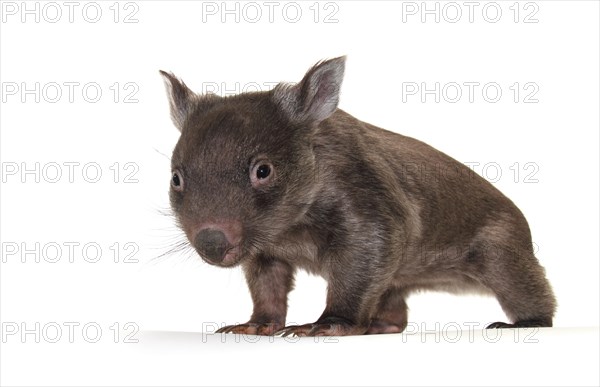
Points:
(218, 244)
(213, 244)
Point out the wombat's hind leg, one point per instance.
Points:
(521, 287)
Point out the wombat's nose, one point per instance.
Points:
(212, 244)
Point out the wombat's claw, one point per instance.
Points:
(297, 330)
(263, 329)
(499, 325)
(533, 323)
(319, 329)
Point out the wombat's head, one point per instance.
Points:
(243, 171)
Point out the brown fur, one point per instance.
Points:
(377, 214)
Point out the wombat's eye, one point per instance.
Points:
(261, 173)
(177, 181)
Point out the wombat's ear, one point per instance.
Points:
(316, 97)
(181, 98)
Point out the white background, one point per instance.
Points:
(389, 48)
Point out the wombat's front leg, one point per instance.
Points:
(270, 280)
(354, 288)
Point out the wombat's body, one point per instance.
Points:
(283, 180)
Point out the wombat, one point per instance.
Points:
(281, 180)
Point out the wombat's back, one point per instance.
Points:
(453, 201)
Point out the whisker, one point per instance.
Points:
(162, 154)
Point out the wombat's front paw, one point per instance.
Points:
(263, 329)
(321, 329)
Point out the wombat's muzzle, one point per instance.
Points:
(218, 243)
(212, 244)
